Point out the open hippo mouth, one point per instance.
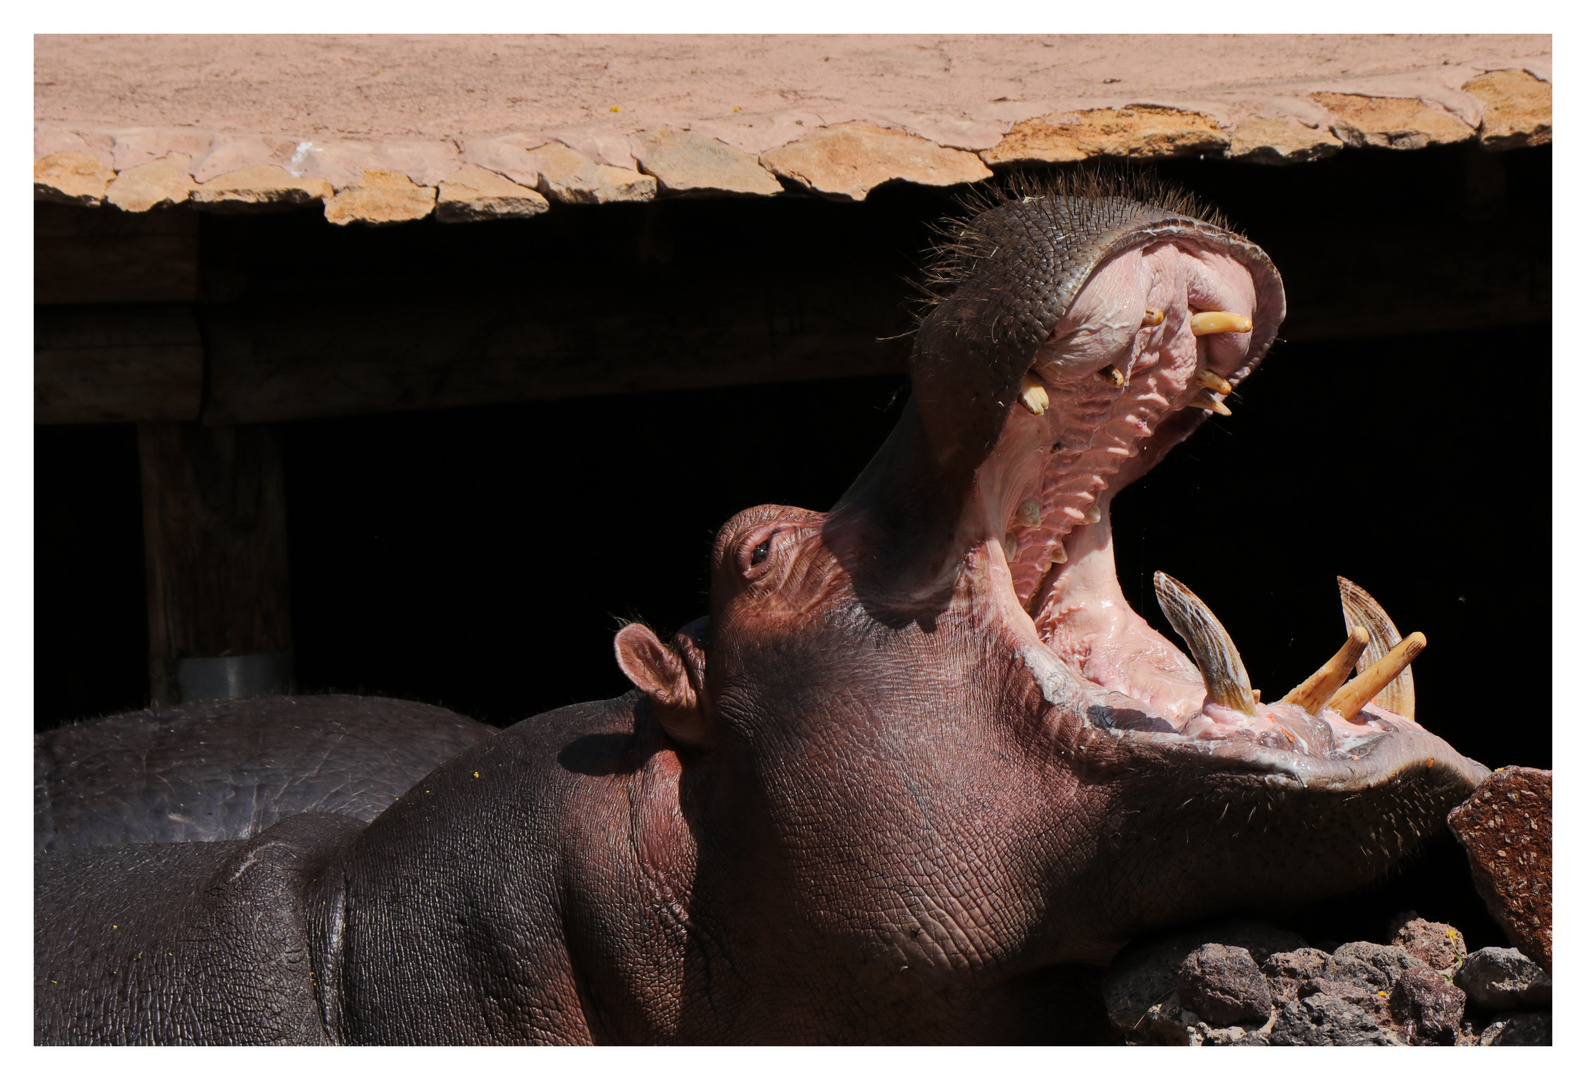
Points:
(1037, 409)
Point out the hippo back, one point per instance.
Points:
(226, 770)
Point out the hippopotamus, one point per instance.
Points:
(227, 769)
(915, 776)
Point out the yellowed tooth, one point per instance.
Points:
(1032, 395)
(1153, 317)
(1319, 689)
(1218, 322)
(1029, 513)
(1205, 399)
(1210, 647)
(1093, 515)
(1361, 610)
(1369, 683)
(1213, 381)
(1110, 375)
(1010, 545)
(1059, 553)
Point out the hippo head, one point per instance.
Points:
(929, 716)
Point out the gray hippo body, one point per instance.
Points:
(227, 770)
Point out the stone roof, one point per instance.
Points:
(395, 128)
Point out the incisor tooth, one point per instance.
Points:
(1319, 689)
(1218, 322)
(1205, 399)
(1213, 381)
(1361, 610)
(1213, 650)
(1153, 317)
(1369, 683)
(1110, 375)
(1029, 513)
(1032, 395)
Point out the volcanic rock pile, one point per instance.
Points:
(1242, 983)
(1250, 984)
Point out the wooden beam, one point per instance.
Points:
(116, 362)
(214, 517)
(271, 360)
(98, 256)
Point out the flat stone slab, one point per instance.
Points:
(261, 185)
(849, 160)
(380, 198)
(164, 181)
(687, 163)
(71, 177)
(1133, 131)
(475, 194)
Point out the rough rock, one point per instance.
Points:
(1394, 122)
(1427, 1007)
(1367, 964)
(847, 161)
(1222, 985)
(1518, 1029)
(1506, 827)
(380, 198)
(164, 181)
(1138, 131)
(570, 177)
(687, 163)
(1438, 945)
(1325, 1020)
(1272, 140)
(1374, 1003)
(1145, 975)
(1518, 109)
(475, 194)
(260, 185)
(1496, 979)
(72, 177)
(1301, 964)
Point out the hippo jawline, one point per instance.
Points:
(1158, 330)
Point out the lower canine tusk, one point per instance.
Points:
(1227, 683)
(1365, 686)
(1319, 689)
(1218, 322)
(1213, 381)
(1032, 395)
(1205, 399)
(1361, 610)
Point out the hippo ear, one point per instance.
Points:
(661, 674)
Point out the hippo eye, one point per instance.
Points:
(761, 552)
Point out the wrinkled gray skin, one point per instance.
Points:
(863, 802)
(226, 770)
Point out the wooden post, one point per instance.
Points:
(214, 520)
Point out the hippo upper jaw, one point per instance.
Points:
(1034, 404)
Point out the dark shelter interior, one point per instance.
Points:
(472, 539)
